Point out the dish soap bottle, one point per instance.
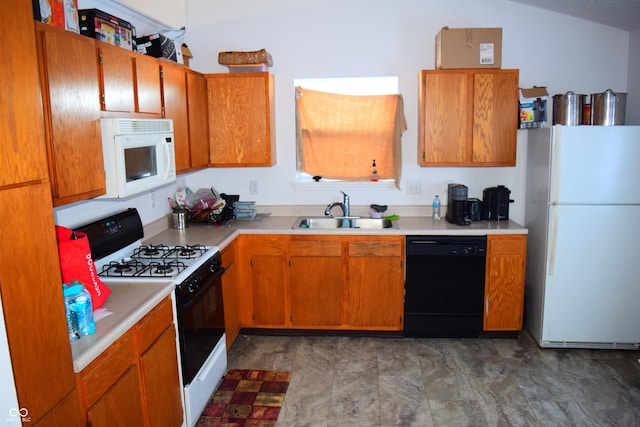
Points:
(435, 206)
(374, 172)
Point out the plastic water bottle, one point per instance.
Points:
(436, 208)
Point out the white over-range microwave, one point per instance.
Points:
(139, 155)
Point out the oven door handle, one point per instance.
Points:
(210, 363)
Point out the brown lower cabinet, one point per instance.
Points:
(135, 382)
(322, 282)
(504, 282)
(230, 293)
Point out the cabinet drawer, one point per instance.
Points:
(515, 244)
(105, 371)
(154, 324)
(373, 248)
(315, 248)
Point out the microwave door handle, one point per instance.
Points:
(167, 161)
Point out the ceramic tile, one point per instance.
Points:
(359, 381)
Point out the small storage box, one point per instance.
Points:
(59, 13)
(160, 46)
(469, 48)
(106, 28)
(533, 107)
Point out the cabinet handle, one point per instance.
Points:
(486, 305)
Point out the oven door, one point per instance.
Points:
(200, 323)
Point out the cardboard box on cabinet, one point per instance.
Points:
(59, 13)
(162, 45)
(469, 48)
(107, 28)
(533, 107)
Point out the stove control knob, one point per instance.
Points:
(192, 283)
(469, 250)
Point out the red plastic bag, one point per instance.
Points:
(76, 263)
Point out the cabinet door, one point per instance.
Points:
(230, 294)
(148, 86)
(33, 305)
(174, 96)
(446, 118)
(161, 381)
(266, 280)
(121, 405)
(198, 119)
(241, 119)
(117, 77)
(375, 297)
(495, 114)
(72, 94)
(468, 117)
(23, 157)
(316, 282)
(504, 284)
(65, 413)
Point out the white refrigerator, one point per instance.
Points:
(582, 210)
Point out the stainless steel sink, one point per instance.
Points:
(343, 223)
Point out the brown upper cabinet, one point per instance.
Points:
(468, 117)
(130, 82)
(198, 119)
(71, 96)
(241, 119)
(174, 101)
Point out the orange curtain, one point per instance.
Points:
(339, 136)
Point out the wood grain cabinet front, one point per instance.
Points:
(136, 381)
(230, 293)
(129, 81)
(264, 280)
(316, 282)
(71, 96)
(241, 119)
(504, 282)
(375, 297)
(174, 101)
(468, 117)
(324, 282)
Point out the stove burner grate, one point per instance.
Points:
(151, 252)
(123, 268)
(163, 269)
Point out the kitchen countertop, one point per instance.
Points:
(221, 236)
(129, 303)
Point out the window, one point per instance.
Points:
(342, 125)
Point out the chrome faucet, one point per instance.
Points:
(346, 210)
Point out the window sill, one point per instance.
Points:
(344, 186)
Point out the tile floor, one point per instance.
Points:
(355, 381)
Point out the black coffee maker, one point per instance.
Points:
(457, 204)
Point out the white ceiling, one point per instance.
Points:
(623, 14)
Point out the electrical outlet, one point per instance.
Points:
(152, 199)
(253, 187)
(414, 187)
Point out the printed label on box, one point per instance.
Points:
(486, 53)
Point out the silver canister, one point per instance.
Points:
(608, 108)
(180, 218)
(568, 109)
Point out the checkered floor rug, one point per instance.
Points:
(247, 398)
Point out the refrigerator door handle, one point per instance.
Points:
(553, 238)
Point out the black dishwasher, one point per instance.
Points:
(444, 287)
